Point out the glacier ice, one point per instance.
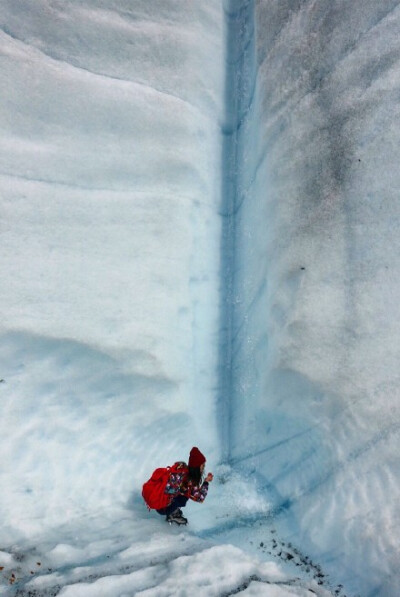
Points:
(315, 327)
(110, 166)
(199, 245)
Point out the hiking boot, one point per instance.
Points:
(176, 517)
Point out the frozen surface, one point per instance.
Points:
(109, 178)
(127, 552)
(315, 329)
(199, 232)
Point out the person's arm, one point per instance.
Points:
(199, 493)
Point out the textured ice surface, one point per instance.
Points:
(315, 377)
(109, 177)
(130, 330)
(127, 552)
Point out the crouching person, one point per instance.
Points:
(175, 485)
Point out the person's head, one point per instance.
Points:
(197, 462)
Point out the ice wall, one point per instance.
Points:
(314, 374)
(120, 301)
(110, 231)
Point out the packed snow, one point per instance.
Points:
(129, 551)
(199, 239)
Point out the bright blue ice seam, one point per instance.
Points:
(239, 94)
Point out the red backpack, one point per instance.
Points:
(153, 490)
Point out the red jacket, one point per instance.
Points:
(179, 483)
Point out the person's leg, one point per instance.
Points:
(175, 514)
(178, 502)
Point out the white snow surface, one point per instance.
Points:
(118, 552)
(109, 174)
(199, 246)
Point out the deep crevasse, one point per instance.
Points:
(239, 89)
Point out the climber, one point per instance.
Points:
(169, 489)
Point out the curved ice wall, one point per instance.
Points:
(314, 284)
(111, 193)
(110, 196)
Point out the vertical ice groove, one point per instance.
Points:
(239, 86)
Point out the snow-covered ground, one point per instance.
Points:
(199, 246)
(229, 547)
